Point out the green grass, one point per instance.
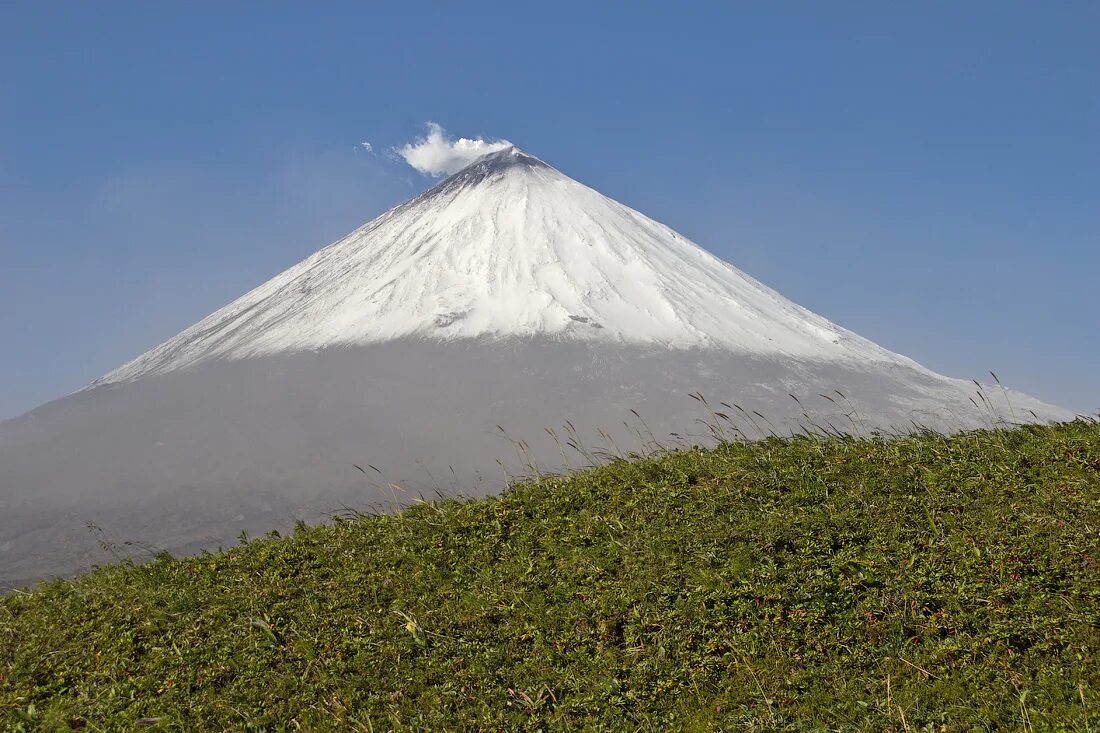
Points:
(922, 584)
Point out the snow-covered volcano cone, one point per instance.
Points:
(507, 295)
(510, 248)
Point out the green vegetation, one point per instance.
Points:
(923, 584)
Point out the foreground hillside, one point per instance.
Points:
(929, 583)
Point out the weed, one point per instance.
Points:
(916, 583)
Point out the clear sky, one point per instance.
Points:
(926, 176)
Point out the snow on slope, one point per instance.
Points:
(510, 247)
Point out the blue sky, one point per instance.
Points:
(926, 176)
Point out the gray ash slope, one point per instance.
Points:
(509, 295)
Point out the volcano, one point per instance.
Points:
(508, 319)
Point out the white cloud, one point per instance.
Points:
(368, 147)
(437, 154)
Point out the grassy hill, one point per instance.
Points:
(923, 584)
